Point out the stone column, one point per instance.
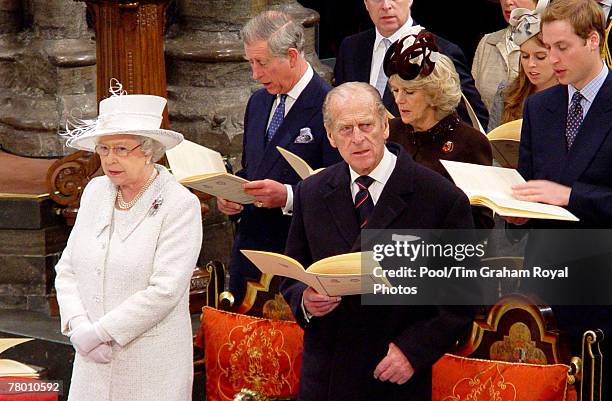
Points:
(47, 59)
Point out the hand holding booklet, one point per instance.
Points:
(202, 169)
(491, 187)
(346, 274)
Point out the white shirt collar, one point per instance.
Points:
(607, 3)
(382, 172)
(400, 33)
(299, 87)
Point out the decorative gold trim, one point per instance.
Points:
(252, 289)
(23, 196)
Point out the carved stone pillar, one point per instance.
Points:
(46, 70)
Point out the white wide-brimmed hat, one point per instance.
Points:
(122, 114)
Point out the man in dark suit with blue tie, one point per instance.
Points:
(566, 158)
(360, 56)
(354, 352)
(285, 113)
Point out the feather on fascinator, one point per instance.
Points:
(121, 113)
(526, 23)
(411, 56)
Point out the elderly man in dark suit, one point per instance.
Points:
(286, 113)
(566, 153)
(351, 351)
(360, 56)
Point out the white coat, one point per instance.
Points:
(136, 284)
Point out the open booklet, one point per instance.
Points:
(11, 368)
(345, 274)
(491, 187)
(299, 165)
(201, 168)
(505, 141)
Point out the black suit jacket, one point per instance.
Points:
(262, 228)
(342, 349)
(354, 62)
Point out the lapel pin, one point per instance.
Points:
(155, 206)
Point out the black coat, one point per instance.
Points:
(354, 62)
(342, 349)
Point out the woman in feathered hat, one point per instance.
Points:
(535, 71)
(427, 91)
(123, 280)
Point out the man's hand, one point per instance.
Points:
(267, 193)
(318, 304)
(228, 207)
(394, 367)
(517, 221)
(542, 191)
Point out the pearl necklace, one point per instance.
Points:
(123, 205)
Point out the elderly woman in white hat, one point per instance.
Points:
(123, 280)
(535, 71)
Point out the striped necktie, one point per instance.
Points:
(363, 200)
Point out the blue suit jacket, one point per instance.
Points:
(354, 62)
(262, 228)
(342, 348)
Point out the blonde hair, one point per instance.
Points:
(441, 86)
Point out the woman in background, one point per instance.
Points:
(535, 71)
(427, 91)
(497, 57)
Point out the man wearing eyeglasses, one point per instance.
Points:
(360, 57)
(354, 352)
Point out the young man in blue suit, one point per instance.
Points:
(285, 113)
(566, 156)
(354, 352)
(360, 56)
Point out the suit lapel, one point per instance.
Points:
(553, 134)
(595, 128)
(257, 141)
(301, 112)
(363, 57)
(106, 208)
(339, 201)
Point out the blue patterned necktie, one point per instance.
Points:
(381, 81)
(277, 118)
(574, 119)
(363, 200)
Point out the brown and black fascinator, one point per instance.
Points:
(413, 61)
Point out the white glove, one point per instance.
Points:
(84, 338)
(101, 354)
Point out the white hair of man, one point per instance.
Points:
(277, 29)
(350, 89)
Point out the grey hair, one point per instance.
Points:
(277, 29)
(153, 148)
(348, 90)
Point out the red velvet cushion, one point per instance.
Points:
(246, 352)
(456, 378)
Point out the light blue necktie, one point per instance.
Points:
(277, 118)
(381, 81)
